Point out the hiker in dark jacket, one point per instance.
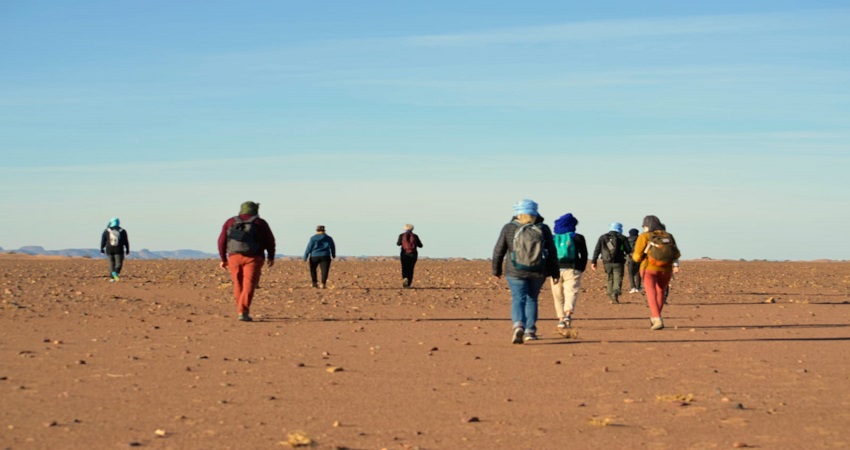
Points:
(614, 247)
(115, 244)
(525, 284)
(320, 250)
(243, 254)
(632, 267)
(565, 289)
(409, 243)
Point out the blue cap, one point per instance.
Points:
(114, 222)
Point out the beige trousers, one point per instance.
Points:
(565, 292)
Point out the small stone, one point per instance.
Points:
(160, 433)
(337, 424)
(737, 444)
(333, 369)
(605, 369)
(472, 419)
(557, 362)
(50, 424)
(770, 300)
(434, 349)
(81, 362)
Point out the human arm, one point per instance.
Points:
(125, 242)
(418, 242)
(581, 253)
(500, 250)
(640, 245)
(103, 242)
(222, 243)
(333, 247)
(596, 252)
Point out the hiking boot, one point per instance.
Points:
(562, 324)
(517, 338)
(405, 283)
(615, 299)
(115, 276)
(657, 323)
(530, 337)
(315, 284)
(324, 285)
(245, 318)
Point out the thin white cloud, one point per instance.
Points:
(635, 28)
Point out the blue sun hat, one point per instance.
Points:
(616, 226)
(526, 206)
(114, 222)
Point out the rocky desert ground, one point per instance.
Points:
(754, 356)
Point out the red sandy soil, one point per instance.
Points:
(754, 355)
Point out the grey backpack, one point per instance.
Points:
(528, 251)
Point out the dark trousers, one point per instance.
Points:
(634, 275)
(615, 278)
(116, 261)
(320, 261)
(408, 262)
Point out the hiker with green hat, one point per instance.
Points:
(244, 241)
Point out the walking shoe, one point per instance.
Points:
(562, 324)
(633, 291)
(517, 338)
(530, 337)
(324, 285)
(657, 323)
(245, 318)
(405, 283)
(315, 284)
(114, 276)
(615, 300)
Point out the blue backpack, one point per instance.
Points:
(566, 246)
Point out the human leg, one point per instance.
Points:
(572, 283)
(245, 273)
(655, 283)
(314, 265)
(325, 265)
(534, 285)
(410, 268)
(618, 269)
(558, 296)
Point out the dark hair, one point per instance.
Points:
(653, 223)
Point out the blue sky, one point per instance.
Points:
(730, 121)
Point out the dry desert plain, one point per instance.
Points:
(755, 355)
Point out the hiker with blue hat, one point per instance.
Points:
(115, 244)
(526, 250)
(614, 248)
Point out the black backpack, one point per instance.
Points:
(611, 247)
(243, 237)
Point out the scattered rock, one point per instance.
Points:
(472, 419)
(737, 444)
(333, 369)
(769, 300)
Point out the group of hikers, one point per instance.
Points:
(246, 242)
(526, 253)
(530, 253)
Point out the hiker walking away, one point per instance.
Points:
(242, 245)
(672, 277)
(409, 243)
(320, 250)
(614, 248)
(571, 249)
(656, 251)
(526, 242)
(633, 268)
(114, 243)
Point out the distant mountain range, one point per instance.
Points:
(94, 253)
